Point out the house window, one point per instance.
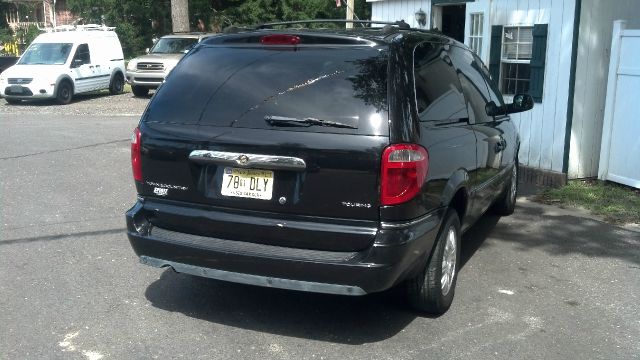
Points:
(475, 35)
(517, 44)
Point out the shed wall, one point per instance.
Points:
(542, 130)
(594, 48)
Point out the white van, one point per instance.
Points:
(61, 64)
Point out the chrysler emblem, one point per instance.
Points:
(243, 159)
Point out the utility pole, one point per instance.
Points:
(180, 15)
(53, 15)
(350, 5)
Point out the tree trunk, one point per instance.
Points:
(350, 10)
(180, 15)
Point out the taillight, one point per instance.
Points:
(404, 170)
(280, 39)
(136, 158)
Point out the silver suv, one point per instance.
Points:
(149, 71)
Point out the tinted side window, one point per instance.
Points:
(473, 84)
(82, 53)
(438, 92)
(494, 92)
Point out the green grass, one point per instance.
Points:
(616, 203)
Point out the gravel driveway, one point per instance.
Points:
(98, 104)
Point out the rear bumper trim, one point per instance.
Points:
(406, 224)
(249, 248)
(258, 280)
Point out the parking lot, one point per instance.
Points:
(544, 283)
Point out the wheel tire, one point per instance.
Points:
(140, 91)
(117, 84)
(64, 93)
(506, 204)
(432, 290)
(13, 101)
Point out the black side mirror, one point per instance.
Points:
(492, 109)
(521, 102)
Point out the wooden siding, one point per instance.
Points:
(596, 23)
(394, 10)
(542, 130)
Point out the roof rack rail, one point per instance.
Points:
(400, 24)
(233, 29)
(88, 27)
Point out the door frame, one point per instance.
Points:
(476, 7)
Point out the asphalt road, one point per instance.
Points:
(544, 283)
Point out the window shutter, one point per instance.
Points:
(538, 58)
(495, 52)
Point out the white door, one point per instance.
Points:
(477, 29)
(619, 159)
(83, 76)
(82, 70)
(101, 64)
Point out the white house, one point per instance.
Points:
(556, 50)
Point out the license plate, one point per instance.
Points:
(247, 183)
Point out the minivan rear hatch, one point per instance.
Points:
(284, 129)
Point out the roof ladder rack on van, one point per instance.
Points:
(88, 27)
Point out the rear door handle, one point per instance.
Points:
(258, 161)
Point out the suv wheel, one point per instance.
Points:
(140, 91)
(432, 290)
(117, 84)
(506, 204)
(64, 93)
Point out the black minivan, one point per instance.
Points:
(332, 161)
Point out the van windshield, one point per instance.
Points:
(173, 45)
(46, 54)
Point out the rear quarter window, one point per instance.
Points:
(438, 92)
(230, 86)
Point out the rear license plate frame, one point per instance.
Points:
(247, 183)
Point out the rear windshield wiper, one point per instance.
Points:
(289, 121)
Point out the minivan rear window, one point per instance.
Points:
(250, 87)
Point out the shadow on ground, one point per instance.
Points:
(560, 233)
(476, 235)
(331, 318)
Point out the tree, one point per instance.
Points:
(138, 21)
(6, 36)
(180, 15)
(246, 12)
(4, 7)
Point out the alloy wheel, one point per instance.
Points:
(449, 258)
